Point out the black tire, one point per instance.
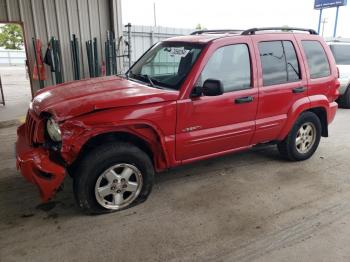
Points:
(288, 147)
(344, 100)
(100, 159)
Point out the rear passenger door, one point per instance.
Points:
(282, 82)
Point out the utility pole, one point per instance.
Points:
(324, 21)
(154, 14)
(319, 21)
(336, 22)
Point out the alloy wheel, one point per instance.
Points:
(306, 138)
(118, 186)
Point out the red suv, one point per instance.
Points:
(187, 98)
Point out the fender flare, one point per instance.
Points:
(300, 106)
(74, 141)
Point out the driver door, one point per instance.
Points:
(213, 125)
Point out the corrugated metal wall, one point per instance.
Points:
(43, 19)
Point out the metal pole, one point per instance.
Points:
(336, 22)
(324, 21)
(75, 57)
(41, 83)
(319, 21)
(59, 54)
(2, 93)
(154, 14)
(129, 43)
(54, 58)
(73, 61)
(108, 73)
(90, 57)
(76, 45)
(108, 52)
(114, 58)
(96, 67)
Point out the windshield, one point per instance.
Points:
(341, 54)
(166, 64)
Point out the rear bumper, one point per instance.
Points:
(36, 166)
(333, 107)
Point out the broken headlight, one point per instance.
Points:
(53, 130)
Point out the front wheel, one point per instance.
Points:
(112, 178)
(304, 138)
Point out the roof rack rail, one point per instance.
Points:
(220, 31)
(253, 30)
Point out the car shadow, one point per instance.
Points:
(20, 200)
(255, 155)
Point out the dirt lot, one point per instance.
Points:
(251, 206)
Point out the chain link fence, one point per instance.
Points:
(143, 37)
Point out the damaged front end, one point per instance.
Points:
(35, 160)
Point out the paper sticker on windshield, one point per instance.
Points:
(177, 51)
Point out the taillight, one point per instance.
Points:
(334, 94)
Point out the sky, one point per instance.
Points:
(234, 14)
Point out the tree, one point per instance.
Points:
(199, 27)
(11, 36)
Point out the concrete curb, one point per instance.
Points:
(10, 123)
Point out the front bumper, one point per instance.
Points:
(36, 166)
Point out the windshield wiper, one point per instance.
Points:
(145, 76)
(123, 76)
(149, 80)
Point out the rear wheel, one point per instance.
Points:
(112, 178)
(304, 138)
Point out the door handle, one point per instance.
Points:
(242, 100)
(298, 90)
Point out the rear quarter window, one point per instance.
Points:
(316, 59)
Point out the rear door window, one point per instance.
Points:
(293, 70)
(316, 59)
(279, 62)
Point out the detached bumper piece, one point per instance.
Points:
(36, 166)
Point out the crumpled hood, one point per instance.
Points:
(79, 97)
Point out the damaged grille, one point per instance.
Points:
(32, 123)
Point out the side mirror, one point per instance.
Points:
(197, 91)
(212, 87)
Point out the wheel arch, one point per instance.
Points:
(321, 113)
(147, 140)
(300, 108)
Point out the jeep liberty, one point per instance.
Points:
(186, 99)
